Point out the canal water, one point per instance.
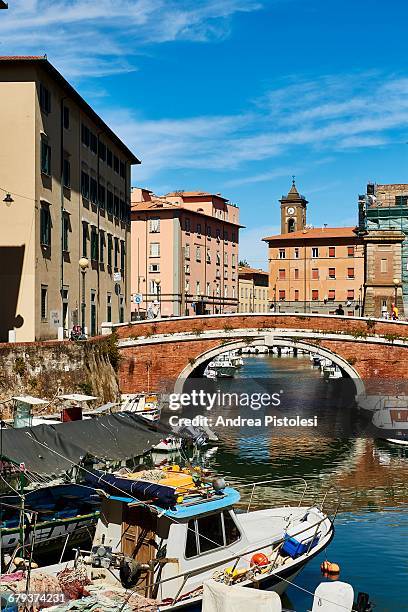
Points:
(371, 539)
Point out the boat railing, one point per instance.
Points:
(265, 483)
(336, 490)
(236, 558)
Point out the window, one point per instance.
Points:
(155, 267)
(332, 251)
(84, 239)
(350, 272)
(315, 273)
(85, 185)
(296, 295)
(315, 295)
(225, 258)
(350, 251)
(109, 157)
(45, 158)
(282, 274)
(154, 225)
(208, 256)
(198, 290)
(296, 253)
(233, 292)
(187, 251)
(101, 246)
(116, 164)
(116, 206)
(94, 244)
(66, 173)
(187, 269)
(296, 271)
(115, 253)
(101, 196)
(65, 117)
(218, 234)
(350, 294)
(198, 229)
(44, 302)
(187, 286)
(401, 200)
(109, 307)
(109, 201)
(102, 151)
(65, 232)
(225, 235)
(218, 258)
(332, 272)
(122, 255)
(45, 225)
(233, 258)
(282, 294)
(198, 253)
(208, 289)
(315, 252)
(155, 249)
(384, 265)
(110, 250)
(187, 224)
(93, 195)
(93, 142)
(332, 294)
(234, 236)
(85, 135)
(122, 169)
(282, 254)
(45, 99)
(208, 231)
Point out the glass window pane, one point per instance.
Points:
(210, 533)
(191, 542)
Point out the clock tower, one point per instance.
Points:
(293, 211)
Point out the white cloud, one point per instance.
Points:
(101, 37)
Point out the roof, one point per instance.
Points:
(315, 233)
(196, 194)
(157, 204)
(43, 62)
(248, 270)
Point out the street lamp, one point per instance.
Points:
(396, 282)
(8, 199)
(84, 265)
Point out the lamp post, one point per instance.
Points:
(396, 282)
(84, 265)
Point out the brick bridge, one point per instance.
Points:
(156, 352)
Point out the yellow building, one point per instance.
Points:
(253, 289)
(64, 208)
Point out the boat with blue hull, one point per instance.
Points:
(48, 517)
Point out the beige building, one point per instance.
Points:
(65, 180)
(253, 290)
(314, 269)
(184, 253)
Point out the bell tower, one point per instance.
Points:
(293, 211)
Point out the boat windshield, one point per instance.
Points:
(210, 532)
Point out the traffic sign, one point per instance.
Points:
(138, 298)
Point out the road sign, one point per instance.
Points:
(138, 298)
(117, 277)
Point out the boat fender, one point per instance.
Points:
(129, 572)
(327, 567)
(259, 559)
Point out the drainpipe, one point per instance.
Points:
(62, 205)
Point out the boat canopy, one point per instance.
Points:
(53, 449)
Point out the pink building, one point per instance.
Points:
(184, 253)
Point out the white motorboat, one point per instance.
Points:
(223, 368)
(391, 422)
(192, 533)
(146, 405)
(331, 372)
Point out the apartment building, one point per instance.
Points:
(383, 226)
(253, 290)
(314, 269)
(184, 253)
(65, 210)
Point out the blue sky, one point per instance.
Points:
(235, 96)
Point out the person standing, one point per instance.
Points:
(394, 312)
(339, 310)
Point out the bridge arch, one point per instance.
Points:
(209, 355)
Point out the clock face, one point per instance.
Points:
(291, 210)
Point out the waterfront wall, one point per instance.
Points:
(47, 369)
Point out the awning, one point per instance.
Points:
(54, 449)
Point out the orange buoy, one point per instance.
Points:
(330, 568)
(260, 560)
